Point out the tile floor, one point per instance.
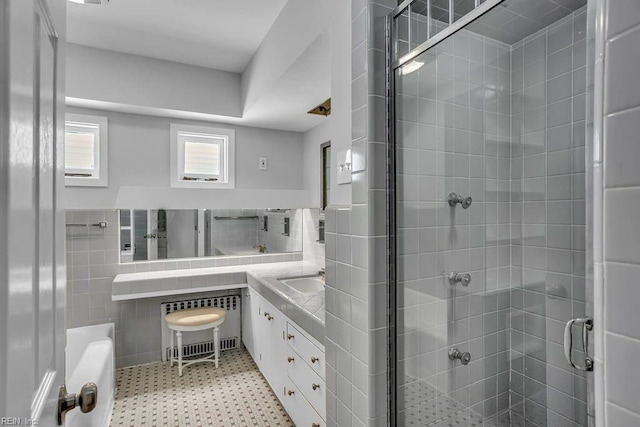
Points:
(426, 407)
(236, 394)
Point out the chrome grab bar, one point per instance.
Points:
(101, 224)
(587, 325)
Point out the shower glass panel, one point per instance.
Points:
(489, 147)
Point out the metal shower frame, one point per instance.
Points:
(593, 136)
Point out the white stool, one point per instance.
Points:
(195, 319)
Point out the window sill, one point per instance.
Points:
(70, 181)
(207, 185)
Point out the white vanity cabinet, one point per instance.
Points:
(291, 361)
(263, 336)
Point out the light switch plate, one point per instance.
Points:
(262, 164)
(344, 167)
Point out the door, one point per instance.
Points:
(249, 301)
(32, 265)
(272, 345)
(489, 219)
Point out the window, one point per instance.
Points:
(85, 150)
(202, 157)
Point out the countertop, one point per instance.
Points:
(307, 311)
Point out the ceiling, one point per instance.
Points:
(223, 35)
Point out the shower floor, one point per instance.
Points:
(426, 407)
(235, 394)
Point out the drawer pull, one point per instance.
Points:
(315, 386)
(315, 425)
(266, 314)
(314, 359)
(290, 359)
(291, 392)
(290, 336)
(269, 317)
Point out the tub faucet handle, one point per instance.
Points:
(463, 278)
(465, 357)
(455, 198)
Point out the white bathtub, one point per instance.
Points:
(90, 357)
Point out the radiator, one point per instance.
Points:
(201, 342)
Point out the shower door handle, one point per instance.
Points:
(587, 325)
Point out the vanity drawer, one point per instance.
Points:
(299, 409)
(306, 349)
(307, 381)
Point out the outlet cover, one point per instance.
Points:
(344, 167)
(262, 164)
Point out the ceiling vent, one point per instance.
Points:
(323, 109)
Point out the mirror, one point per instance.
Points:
(188, 233)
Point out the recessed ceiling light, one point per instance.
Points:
(410, 67)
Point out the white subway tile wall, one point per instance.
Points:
(618, 193)
(355, 241)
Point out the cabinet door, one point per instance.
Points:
(273, 347)
(249, 316)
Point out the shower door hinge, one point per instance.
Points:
(587, 325)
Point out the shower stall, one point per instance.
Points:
(489, 139)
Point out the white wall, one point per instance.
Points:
(139, 169)
(340, 94)
(131, 80)
(617, 196)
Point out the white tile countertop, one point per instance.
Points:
(307, 310)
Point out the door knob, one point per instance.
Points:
(455, 198)
(86, 400)
(291, 392)
(463, 278)
(290, 359)
(289, 336)
(315, 386)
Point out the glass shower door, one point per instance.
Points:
(488, 217)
